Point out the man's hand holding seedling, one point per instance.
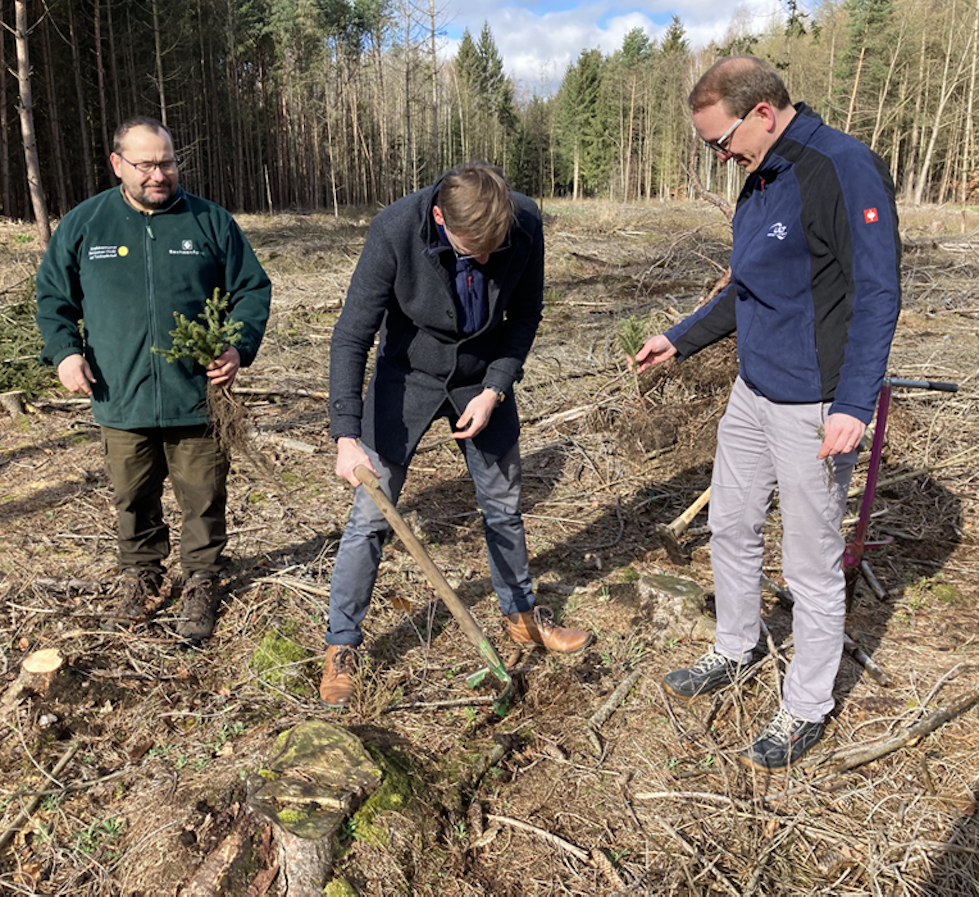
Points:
(223, 370)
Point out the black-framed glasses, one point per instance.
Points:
(167, 166)
(718, 146)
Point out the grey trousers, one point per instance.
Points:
(498, 494)
(760, 446)
(138, 462)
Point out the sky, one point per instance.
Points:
(538, 40)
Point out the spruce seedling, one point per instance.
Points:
(632, 334)
(204, 339)
(207, 337)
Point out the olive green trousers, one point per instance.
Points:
(138, 462)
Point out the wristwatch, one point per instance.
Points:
(500, 394)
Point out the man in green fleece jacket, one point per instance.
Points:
(118, 267)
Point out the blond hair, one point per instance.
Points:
(477, 204)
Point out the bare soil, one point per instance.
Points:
(164, 736)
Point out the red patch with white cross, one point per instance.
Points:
(870, 215)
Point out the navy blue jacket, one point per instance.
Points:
(815, 273)
(404, 291)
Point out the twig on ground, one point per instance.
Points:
(960, 458)
(754, 879)
(25, 814)
(601, 716)
(692, 851)
(291, 582)
(439, 705)
(544, 835)
(861, 755)
(937, 688)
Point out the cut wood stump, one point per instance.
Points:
(14, 403)
(37, 672)
(676, 608)
(319, 775)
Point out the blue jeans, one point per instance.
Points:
(498, 494)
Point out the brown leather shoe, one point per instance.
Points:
(337, 684)
(536, 627)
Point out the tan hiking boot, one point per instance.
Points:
(337, 684)
(135, 599)
(537, 627)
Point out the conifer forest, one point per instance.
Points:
(319, 104)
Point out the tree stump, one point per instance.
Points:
(14, 403)
(676, 607)
(37, 672)
(319, 775)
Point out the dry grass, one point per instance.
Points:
(167, 735)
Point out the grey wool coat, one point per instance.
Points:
(403, 290)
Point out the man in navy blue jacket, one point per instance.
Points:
(814, 297)
(452, 278)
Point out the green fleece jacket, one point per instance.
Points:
(109, 284)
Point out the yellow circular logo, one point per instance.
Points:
(123, 250)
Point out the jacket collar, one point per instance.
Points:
(800, 130)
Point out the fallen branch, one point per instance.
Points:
(25, 814)
(563, 417)
(441, 705)
(549, 837)
(754, 880)
(296, 445)
(929, 724)
(692, 851)
(601, 716)
(300, 585)
(68, 586)
(285, 393)
(910, 475)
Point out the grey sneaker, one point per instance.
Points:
(781, 743)
(708, 674)
(199, 607)
(137, 587)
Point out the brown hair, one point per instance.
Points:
(477, 204)
(138, 121)
(740, 83)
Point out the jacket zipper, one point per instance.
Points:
(148, 240)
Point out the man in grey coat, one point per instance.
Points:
(452, 278)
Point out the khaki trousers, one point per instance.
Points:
(138, 462)
(762, 446)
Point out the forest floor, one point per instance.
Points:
(159, 738)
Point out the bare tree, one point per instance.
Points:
(27, 125)
(4, 146)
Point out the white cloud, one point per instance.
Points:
(538, 45)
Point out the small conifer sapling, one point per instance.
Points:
(203, 340)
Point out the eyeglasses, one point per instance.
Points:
(473, 256)
(718, 145)
(167, 166)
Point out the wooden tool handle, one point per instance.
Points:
(683, 521)
(442, 588)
